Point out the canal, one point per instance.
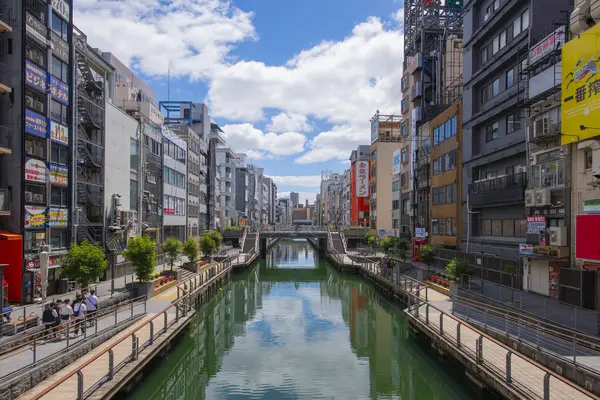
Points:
(292, 327)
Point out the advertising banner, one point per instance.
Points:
(59, 132)
(35, 217)
(35, 28)
(536, 224)
(60, 48)
(35, 170)
(58, 217)
(551, 42)
(362, 179)
(59, 90)
(35, 76)
(396, 162)
(153, 132)
(36, 124)
(59, 175)
(374, 129)
(581, 87)
(526, 249)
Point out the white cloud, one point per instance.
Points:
(192, 37)
(289, 122)
(246, 138)
(293, 180)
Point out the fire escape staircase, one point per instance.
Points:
(87, 230)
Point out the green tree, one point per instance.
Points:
(427, 253)
(207, 244)
(401, 246)
(84, 262)
(191, 249)
(141, 252)
(387, 243)
(172, 249)
(371, 239)
(459, 268)
(217, 238)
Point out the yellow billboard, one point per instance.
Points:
(581, 87)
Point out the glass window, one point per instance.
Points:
(59, 196)
(435, 226)
(404, 156)
(35, 194)
(60, 27)
(548, 174)
(60, 69)
(134, 155)
(484, 55)
(436, 136)
(502, 39)
(59, 153)
(35, 147)
(454, 126)
(448, 129)
(34, 239)
(486, 227)
(496, 87)
(525, 20)
(58, 238)
(588, 157)
(58, 112)
(520, 228)
(495, 45)
(496, 227)
(517, 27)
(491, 132)
(513, 123)
(510, 77)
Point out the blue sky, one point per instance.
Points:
(293, 84)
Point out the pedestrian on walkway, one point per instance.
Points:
(79, 310)
(66, 312)
(91, 304)
(49, 317)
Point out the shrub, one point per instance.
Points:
(207, 244)
(141, 252)
(459, 268)
(427, 253)
(84, 262)
(191, 249)
(217, 238)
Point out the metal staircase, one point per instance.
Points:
(86, 230)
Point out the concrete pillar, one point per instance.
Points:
(322, 246)
(263, 246)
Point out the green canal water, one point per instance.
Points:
(292, 327)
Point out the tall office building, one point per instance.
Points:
(294, 198)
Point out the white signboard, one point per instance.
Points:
(362, 179)
(59, 132)
(35, 170)
(396, 162)
(154, 113)
(421, 233)
(553, 41)
(62, 8)
(374, 129)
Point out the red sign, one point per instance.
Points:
(586, 239)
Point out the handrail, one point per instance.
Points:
(33, 341)
(136, 346)
(506, 375)
(567, 345)
(243, 240)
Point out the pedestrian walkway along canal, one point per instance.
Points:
(293, 327)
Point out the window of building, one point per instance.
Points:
(60, 69)
(406, 206)
(35, 147)
(35, 194)
(133, 195)
(404, 180)
(59, 112)
(59, 153)
(395, 186)
(58, 238)
(395, 204)
(35, 100)
(520, 228)
(451, 193)
(484, 55)
(496, 227)
(60, 27)
(134, 155)
(374, 155)
(502, 39)
(34, 239)
(517, 27)
(525, 20)
(513, 123)
(508, 227)
(490, 91)
(548, 173)
(486, 227)
(373, 171)
(495, 45)
(404, 128)
(510, 77)
(588, 159)
(59, 196)
(491, 132)
(496, 87)
(404, 155)
(35, 53)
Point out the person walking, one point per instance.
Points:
(66, 314)
(79, 311)
(49, 317)
(91, 304)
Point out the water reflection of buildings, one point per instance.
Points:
(292, 252)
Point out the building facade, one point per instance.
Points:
(175, 184)
(359, 186)
(226, 165)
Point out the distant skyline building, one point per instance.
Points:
(294, 199)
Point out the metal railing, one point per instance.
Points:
(151, 329)
(47, 343)
(518, 180)
(522, 375)
(572, 347)
(193, 283)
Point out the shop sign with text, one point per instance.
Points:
(62, 8)
(35, 217)
(59, 132)
(536, 224)
(58, 217)
(35, 28)
(36, 124)
(60, 48)
(35, 170)
(59, 175)
(362, 179)
(35, 76)
(59, 90)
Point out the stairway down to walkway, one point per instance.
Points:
(186, 274)
(249, 243)
(338, 244)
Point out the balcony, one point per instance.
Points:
(506, 189)
(5, 140)
(4, 202)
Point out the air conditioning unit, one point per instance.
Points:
(558, 236)
(530, 198)
(28, 197)
(38, 198)
(542, 197)
(29, 101)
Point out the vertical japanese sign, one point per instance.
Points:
(59, 90)
(35, 76)
(362, 179)
(374, 129)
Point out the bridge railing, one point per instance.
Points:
(571, 347)
(114, 359)
(522, 375)
(243, 239)
(194, 282)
